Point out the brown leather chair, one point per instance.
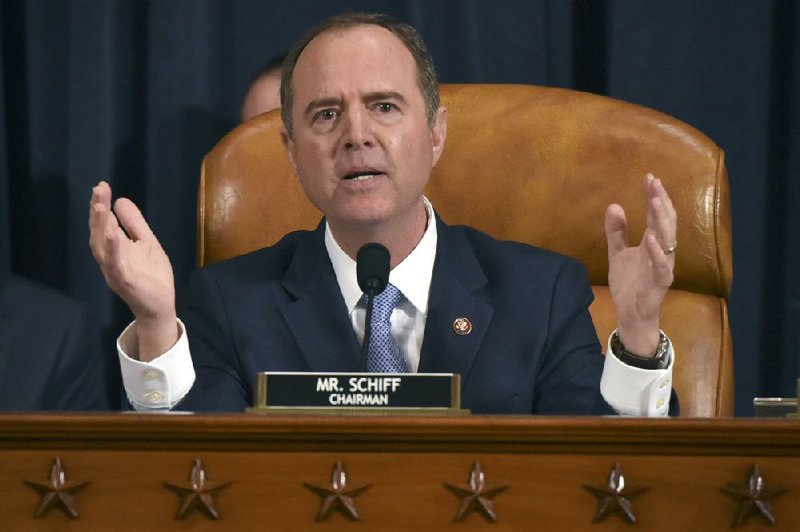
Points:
(536, 165)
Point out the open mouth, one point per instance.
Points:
(362, 176)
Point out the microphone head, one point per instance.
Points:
(372, 268)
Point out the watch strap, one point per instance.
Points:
(658, 361)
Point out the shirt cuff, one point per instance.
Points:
(161, 383)
(634, 391)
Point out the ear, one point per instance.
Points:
(438, 133)
(288, 146)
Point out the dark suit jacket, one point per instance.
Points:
(46, 362)
(532, 349)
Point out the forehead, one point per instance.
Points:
(367, 57)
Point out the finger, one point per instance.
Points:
(101, 196)
(102, 222)
(661, 218)
(101, 193)
(662, 264)
(131, 219)
(661, 190)
(99, 206)
(669, 213)
(667, 224)
(649, 180)
(113, 265)
(651, 189)
(659, 224)
(658, 190)
(616, 226)
(108, 233)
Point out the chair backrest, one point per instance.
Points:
(536, 165)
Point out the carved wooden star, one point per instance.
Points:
(338, 497)
(754, 497)
(615, 496)
(57, 491)
(199, 492)
(477, 496)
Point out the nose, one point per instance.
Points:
(357, 131)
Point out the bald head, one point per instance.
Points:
(264, 94)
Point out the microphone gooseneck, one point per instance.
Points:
(372, 272)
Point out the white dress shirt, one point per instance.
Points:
(412, 277)
(162, 383)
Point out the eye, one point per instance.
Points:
(326, 115)
(385, 107)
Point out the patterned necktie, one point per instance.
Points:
(384, 354)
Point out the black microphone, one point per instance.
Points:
(372, 271)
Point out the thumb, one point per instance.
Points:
(616, 229)
(131, 219)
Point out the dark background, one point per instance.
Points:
(135, 93)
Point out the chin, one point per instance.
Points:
(365, 217)
(364, 211)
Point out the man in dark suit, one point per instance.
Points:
(505, 362)
(46, 362)
(363, 129)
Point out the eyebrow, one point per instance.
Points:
(384, 95)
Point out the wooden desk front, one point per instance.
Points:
(544, 462)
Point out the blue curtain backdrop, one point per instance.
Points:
(135, 92)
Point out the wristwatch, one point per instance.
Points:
(659, 361)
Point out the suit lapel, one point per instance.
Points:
(457, 282)
(316, 314)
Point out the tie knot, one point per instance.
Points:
(385, 302)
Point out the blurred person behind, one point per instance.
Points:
(264, 93)
(47, 358)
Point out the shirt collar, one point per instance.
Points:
(412, 276)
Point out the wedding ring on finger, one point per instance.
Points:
(670, 250)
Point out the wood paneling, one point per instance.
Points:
(544, 461)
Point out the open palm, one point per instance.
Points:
(639, 276)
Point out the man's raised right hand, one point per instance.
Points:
(136, 268)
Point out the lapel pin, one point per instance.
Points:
(462, 326)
